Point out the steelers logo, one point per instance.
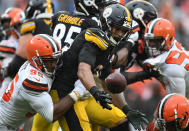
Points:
(107, 12)
(138, 13)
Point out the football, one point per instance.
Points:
(116, 82)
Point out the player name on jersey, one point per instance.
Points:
(70, 20)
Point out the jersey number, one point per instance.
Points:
(9, 90)
(60, 30)
(180, 59)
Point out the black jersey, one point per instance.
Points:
(91, 46)
(67, 25)
(36, 26)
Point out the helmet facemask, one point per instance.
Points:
(89, 7)
(174, 125)
(118, 21)
(155, 46)
(45, 63)
(115, 37)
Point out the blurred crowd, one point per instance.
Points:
(177, 11)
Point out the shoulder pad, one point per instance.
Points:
(97, 37)
(28, 26)
(47, 22)
(35, 83)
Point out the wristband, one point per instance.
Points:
(74, 95)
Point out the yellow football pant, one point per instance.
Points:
(87, 111)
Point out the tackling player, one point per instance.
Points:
(28, 91)
(167, 55)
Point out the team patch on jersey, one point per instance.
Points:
(27, 27)
(98, 40)
(34, 86)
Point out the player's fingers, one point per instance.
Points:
(109, 101)
(107, 106)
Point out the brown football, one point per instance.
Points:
(116, 82)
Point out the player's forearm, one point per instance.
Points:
(61, 107)
(23, 40)
(85, 75)
(121, 58)
(14, 66)
(118, 100)
(133, 77)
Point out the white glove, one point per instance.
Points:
(79, 92)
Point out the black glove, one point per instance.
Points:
(136, 118)
(101, 97)
(104, 72)
(151, 71)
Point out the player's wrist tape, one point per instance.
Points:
(74, 95)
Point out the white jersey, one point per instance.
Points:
(26, 95)
(8, 47)
(7, 50)
(174, 66)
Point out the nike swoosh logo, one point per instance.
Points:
(37, 79)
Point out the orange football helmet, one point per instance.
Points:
(43, 52)
(159, 36)
(173, 113)
(14, 17)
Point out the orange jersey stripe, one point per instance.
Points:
(7, 50)
(7, 95)
(35, 86)
(16, 77)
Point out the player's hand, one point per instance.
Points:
(102, 74)
(101, 97)
(151, 70)
(136, 118)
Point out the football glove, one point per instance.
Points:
(101, 97)
(136, 118)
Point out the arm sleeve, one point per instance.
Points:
(15, 65)
(40, 102)
(88, 54)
